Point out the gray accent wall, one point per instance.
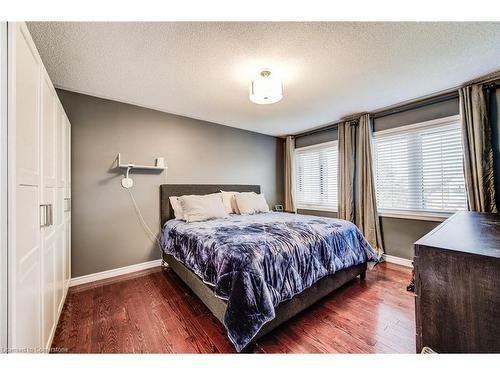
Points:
(106, 232)
(398, 234)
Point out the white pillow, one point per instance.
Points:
(251, 203)
(176, 206)
(229, 200)
(202, 207)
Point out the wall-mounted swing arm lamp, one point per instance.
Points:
(127, 182)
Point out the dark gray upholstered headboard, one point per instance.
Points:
(169, 190)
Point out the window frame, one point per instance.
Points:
(425, 215)
(312, 147)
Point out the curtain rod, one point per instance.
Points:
(492, 85)
(385, 111)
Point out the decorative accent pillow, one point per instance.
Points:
(251, 203)
(229, 200)
(202, 207)
(176, 206)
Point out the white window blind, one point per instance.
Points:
(316, 176)
(420, 168)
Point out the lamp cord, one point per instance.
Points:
(152, 237)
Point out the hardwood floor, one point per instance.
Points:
(154, 312)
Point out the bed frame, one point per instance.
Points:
(286, 309)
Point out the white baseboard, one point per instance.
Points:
(397, 260)
(114, 272)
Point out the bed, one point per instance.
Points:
(254, 272)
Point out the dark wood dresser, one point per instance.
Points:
(457, 285)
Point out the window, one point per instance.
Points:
(316, 176)
(419, 168)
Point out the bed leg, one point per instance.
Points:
(362, 275)
(163, 264)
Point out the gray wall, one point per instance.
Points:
(106, 233)
(399, 234)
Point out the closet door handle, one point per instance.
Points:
(51, 215)
(48, 215)
(45, 215)
(68, 204)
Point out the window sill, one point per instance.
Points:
(316, 208)
(413, 215)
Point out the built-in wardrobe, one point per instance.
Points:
(39, 197)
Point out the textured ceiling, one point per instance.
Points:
(202, 70)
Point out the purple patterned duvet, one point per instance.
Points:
(255, 262)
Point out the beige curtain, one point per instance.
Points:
(289, 174)
(357, 200)
(478, 152)
(366, 212)
(347, 148)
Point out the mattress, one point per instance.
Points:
(257, 261)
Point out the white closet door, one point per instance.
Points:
(59, 219)
(49, 264)
(59, 240)
(49, 197)
(67, 251)
(3, 186)
(67, 156)
(67, 200)
(61, 144)
(50, 132)
(24, 194)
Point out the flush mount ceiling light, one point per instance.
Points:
(266, 88)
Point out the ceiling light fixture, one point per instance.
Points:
(266, 88)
